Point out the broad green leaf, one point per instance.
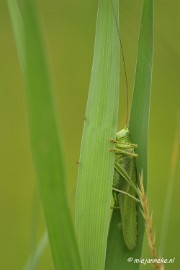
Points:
(46, 147)
(117, 253)
(96, 163)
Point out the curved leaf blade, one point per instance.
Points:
(117, 253)
(96, 164)
(46, 148)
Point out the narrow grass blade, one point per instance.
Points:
(170, 188)
(35, 257)
(18, 28)
(96, 164)
(46, 148)
(117, 253)
(36, 250)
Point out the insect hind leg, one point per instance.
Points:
(117, 150)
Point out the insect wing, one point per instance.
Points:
(128, 207)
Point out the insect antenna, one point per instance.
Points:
(124, 65)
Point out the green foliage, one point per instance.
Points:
(36, 255)
(117, 253)
(96, 164)
(46, 148)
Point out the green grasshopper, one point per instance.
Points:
(125, 176)
(124, 185)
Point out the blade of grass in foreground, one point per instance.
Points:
(117, 253)
(46, 148)
(96, 164)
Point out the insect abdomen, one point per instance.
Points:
(126, 162)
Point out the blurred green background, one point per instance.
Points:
(68, 30)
